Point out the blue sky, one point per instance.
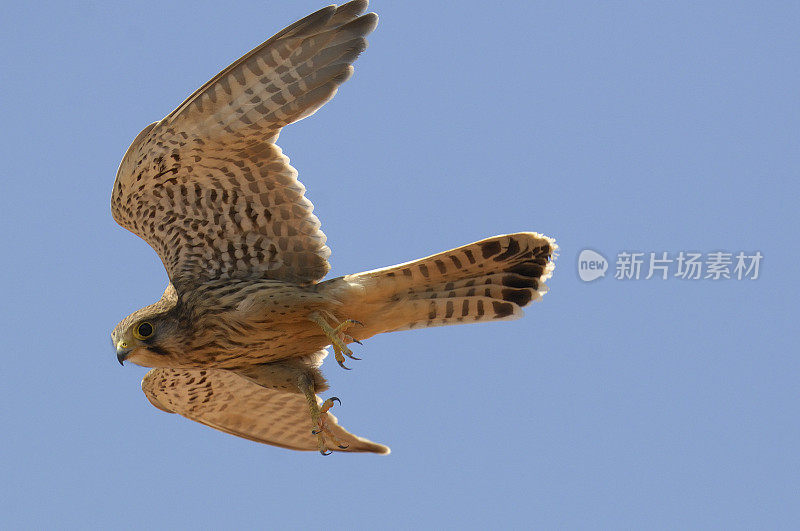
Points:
(648, 127)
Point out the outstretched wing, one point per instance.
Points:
(207, 187)
(228, 402)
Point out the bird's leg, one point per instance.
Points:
(337, 336)
(276, 375)
(319, 416)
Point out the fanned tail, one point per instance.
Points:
(488, 280)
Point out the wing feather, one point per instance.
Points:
(230, 403)
(207, 187)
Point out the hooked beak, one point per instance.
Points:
(122, 353)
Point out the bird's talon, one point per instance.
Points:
(338, 339)
(323, 432)
(349, 339)
(340, 360)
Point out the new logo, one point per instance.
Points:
(591, 265)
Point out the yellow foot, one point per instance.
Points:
(337, 337)
(322, 431)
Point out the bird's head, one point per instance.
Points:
(148, 337)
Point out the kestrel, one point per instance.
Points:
(238, 337)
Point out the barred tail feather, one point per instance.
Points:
(488, 280)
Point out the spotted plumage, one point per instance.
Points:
(225, 401)
(237, 338)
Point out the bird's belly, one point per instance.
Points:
(261, 322)
(265, 341)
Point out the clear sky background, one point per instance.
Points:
(653, 127)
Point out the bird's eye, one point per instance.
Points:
(143, 330)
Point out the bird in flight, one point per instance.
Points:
(238, 337)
